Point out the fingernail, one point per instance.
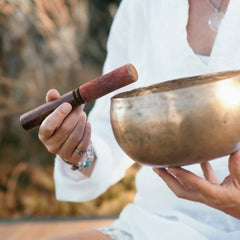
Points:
(64, 107)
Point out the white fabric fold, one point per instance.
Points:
(152, 35)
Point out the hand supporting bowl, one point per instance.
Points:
(179, 122)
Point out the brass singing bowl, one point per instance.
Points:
(179, 122)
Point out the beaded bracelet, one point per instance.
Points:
(87, 158)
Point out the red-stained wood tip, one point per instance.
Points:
(132, 71)
(109, 82)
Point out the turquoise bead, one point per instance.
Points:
(87, 164)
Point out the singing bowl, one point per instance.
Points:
(179, 122)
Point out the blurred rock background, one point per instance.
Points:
(47, 44)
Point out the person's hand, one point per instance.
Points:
(223, 196)
(65, 129)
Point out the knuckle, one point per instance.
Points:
(88, 127)
(52, 149)
(83, 116)
(179, 194)
(198, 184)
(61, 112)
(47, 131)
(44, 132)
(66, 129)
(41, 136)
(75, 137)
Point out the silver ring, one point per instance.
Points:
(79, 152)
(87, 158)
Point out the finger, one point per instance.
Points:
(64, 130)
(193, 181)
(53, 121)
(52, 94)
(171, 182)
(208, 173)
(234, 167)
(84, 143)
(68, 147)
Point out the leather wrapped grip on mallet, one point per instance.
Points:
(87, 92)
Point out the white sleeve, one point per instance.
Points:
(111, 162)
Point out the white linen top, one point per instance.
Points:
(151, 34)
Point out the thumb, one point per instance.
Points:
(234, 166)
(52, 94)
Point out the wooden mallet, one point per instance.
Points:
(87, 92)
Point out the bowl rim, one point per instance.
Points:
(187, 82)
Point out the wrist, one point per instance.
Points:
(87, 160)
